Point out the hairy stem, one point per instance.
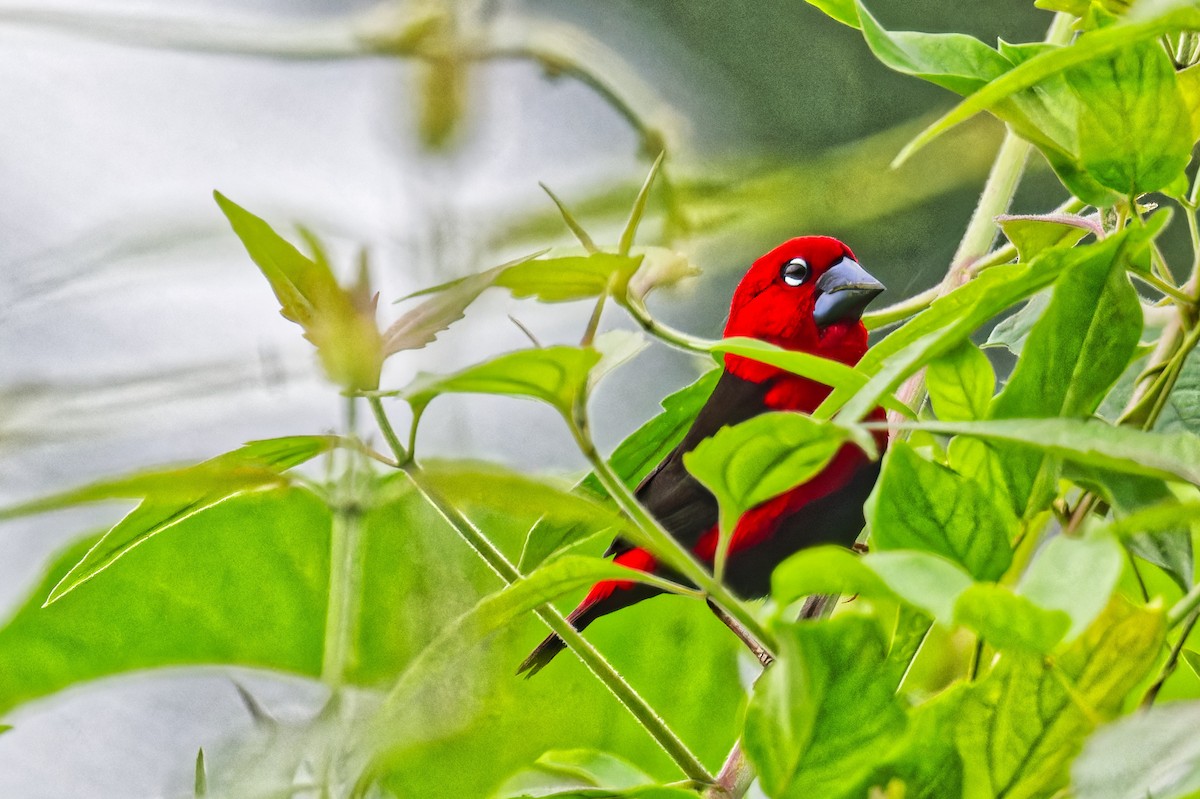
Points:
(345, 567)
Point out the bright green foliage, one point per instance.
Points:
(1032, 234)
(583, 773)
(1010, 621)
(817, 715)
(921, 505)
(339, 322)
(1014, 331)
(1091, 565)
(961, 383)
(1020, 726)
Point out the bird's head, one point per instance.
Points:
(806, 294)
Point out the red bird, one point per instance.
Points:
(807, 294)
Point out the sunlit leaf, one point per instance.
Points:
(751, 462)
(825, 570)
(1075, 353)
(1021, 725)
(961, 383)
(818, 713)
(570, 277)
(844, 11)
(339, 322)
(1010, 621)
(1155, 753)
(565, 774)
(921, 505)
(1074, 575)
(1031, 234)
(555, 375)
(926, 581)
(172, 496)
(1135, 134)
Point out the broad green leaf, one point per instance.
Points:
(555, 375)
(1189, 86)
(339, 322)
(1010, 621)
(1158, 19)
(1022, 724)
(954, 61)
(817, 715)
(751, 462)
(172, 496)
(926, 581)
(961, 383)
(421, 325)
(1075, 353)
(633, 458)
(241, 584)
(1013, 332)
(1155, 753)
(921, 505)
(925, 760)
(1032, 234)
(1090, 442)
(825, 570)
(1135, 134)
(1074, 575)
(585, 773)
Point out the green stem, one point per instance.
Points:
(663, 332)
(1184, 607)
(641, 710)
(345, 568)
(660, 543)
(1168, 668)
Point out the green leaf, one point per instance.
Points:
(570, 277)
(639, 207)
(555, 375)
(421, 325)
(921, 505)
(339, 322)
(925, 761)
(200, 779)
(1013, 332)
(1089, 442)
(1154, 753)
(660, 268)
(585, 773)
(825, 570)
(961, 383)
(632, 460)
(1022, 724)
(170, 497)
(1160, 18)
(926, 581)
(844, 11)
(751, 462)
(817, 716)
(1135, 135)
(1033, 234)
(1074, 575)
(1189, 86)
(954, 61)
(1181, 413)
(1009, 621)
(1075, 353)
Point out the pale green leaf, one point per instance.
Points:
(926, 581)
(1155, 753)
(1032, 234)
(1010, 621)
(1074, 575)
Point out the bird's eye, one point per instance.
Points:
(795, 272)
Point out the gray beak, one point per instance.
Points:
(846, 289)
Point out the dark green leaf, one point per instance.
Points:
(961, 383)
(1152, 754)
(339, 322)
(1135, 134)
(818, 715)
(921, 505)
(1022, 724)
(1013, 332)
(1010, 621)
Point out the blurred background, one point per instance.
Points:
(135, 331)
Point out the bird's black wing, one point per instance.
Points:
(684, 507)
